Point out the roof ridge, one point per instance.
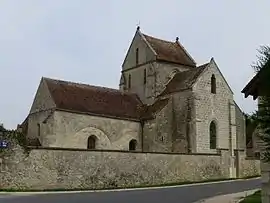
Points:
(159, 39)
(95, 100)
(172, 51)
(203, 65)
(187, 80)
(87, 85)
(185, 51)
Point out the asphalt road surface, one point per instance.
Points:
(186, 194)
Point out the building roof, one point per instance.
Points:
(83, 98)
(259, 83)
(183, 80)
(101, 101)
(170, 51)
(150, 110)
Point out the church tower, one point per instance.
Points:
(150, 63)
(137, 71)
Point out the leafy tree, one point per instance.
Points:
(262, 58)
(263, 114)
(251, 125)
(2, 129)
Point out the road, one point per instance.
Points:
(184, 194)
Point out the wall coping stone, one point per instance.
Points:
(122, 151)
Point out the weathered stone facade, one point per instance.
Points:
(72, 131)
(48, 168)
(193, 109)
(183, 125)
(165, 104)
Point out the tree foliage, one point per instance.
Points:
(2, 129)
(251, 125)
(262, 58)
(9, 135)
(263, 114)
(264, 125)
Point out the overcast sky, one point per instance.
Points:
(86, 41)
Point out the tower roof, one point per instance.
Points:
(170, 51)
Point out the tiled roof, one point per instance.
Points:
(169, 51)
(158, 105)
(183, 80)
(97, 100)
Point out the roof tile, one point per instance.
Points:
(183, 80)
(93, 99)
(169, 51)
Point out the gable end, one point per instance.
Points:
(140, 35)
(43, 99)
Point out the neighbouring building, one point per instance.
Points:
(258, 87)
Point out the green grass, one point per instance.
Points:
(115, 187)
(254, 198)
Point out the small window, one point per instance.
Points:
(137, 56)
(213, 84)
(91, 143)
(213, 135)
(38, 129)
(132, 145)
(129, 81)
(144, 76)
(162, 139)
(257, 155)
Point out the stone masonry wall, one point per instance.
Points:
(212, 107)
(45, 121)
(164, 72)
(65, 169)
(60, 168)
(145, 53)
(146, 91)
(72, 131)
(43, 99)
(240, 128)
(40, 112)
(136, 71)
(157, 73)
(158, 132)
(184, 131)
(249, 167)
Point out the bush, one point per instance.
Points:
(12, 137)
(254, 198)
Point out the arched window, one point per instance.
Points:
(91, 142)
(213, 84)
(144, 76)
(137, 56)
(213, 135)
(38, 129)
(132, 145)
(129, 81)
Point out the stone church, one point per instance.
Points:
(165, 103)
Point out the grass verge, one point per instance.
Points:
(254, 198)
(130, 187)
